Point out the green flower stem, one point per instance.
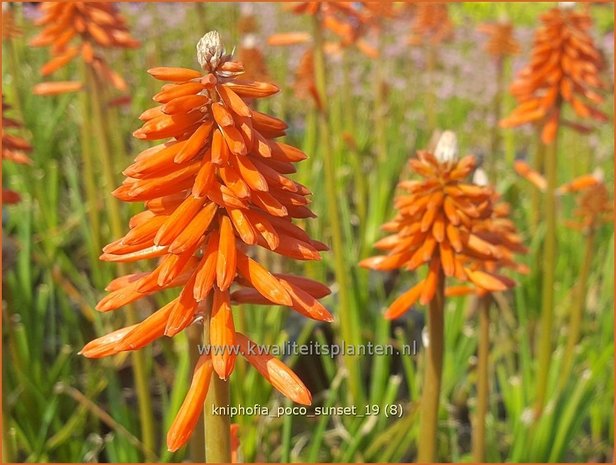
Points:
(495, 153)
(380, 111)
(577, 309)
(217, 426)
(201, 14)
(428, 423)
(549, 265)
(91, 189)
(15, 67)
(360, 187)
(483, 386)
(431, 111)
(341, 270)
(146, 414)
(538, 166)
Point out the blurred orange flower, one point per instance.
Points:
(350, 22)
(501, 41)
(14, 148)
(73, 29)
(216, 187)
(252, 57)
(500, 231)
(305, 84)
(594, 207)
(565, 67)
(9, 28)
(430, 23)
(443, 222)
(594, 204)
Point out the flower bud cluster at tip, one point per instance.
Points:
(447, 147)
(211, 52)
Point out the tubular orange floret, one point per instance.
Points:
(216, 187)
(87, 25)
(455, 228)
(565, 66)
(524, 170)
(188, 415)
(274, 371)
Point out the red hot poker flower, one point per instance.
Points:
(9, 28)
(594, 207)
(430, 23)
(74, 29)
(437, 224)
(565, 67)
(500, 231)
(501, 41)
(216, 187)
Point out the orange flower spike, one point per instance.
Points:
(213, 190)
(9, 28)
(594, 206)
(498, 234)
(435, 226)
(565, 67)
(501, 41)
(430, 23)
(190, 411)
(78, 29)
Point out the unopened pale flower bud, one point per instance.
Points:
(210, 51)
(447, 147)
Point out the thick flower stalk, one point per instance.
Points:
(565, 67)
(500, 231)
(439, 224)
(14, 148)
(216, 187)
(80, 29)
